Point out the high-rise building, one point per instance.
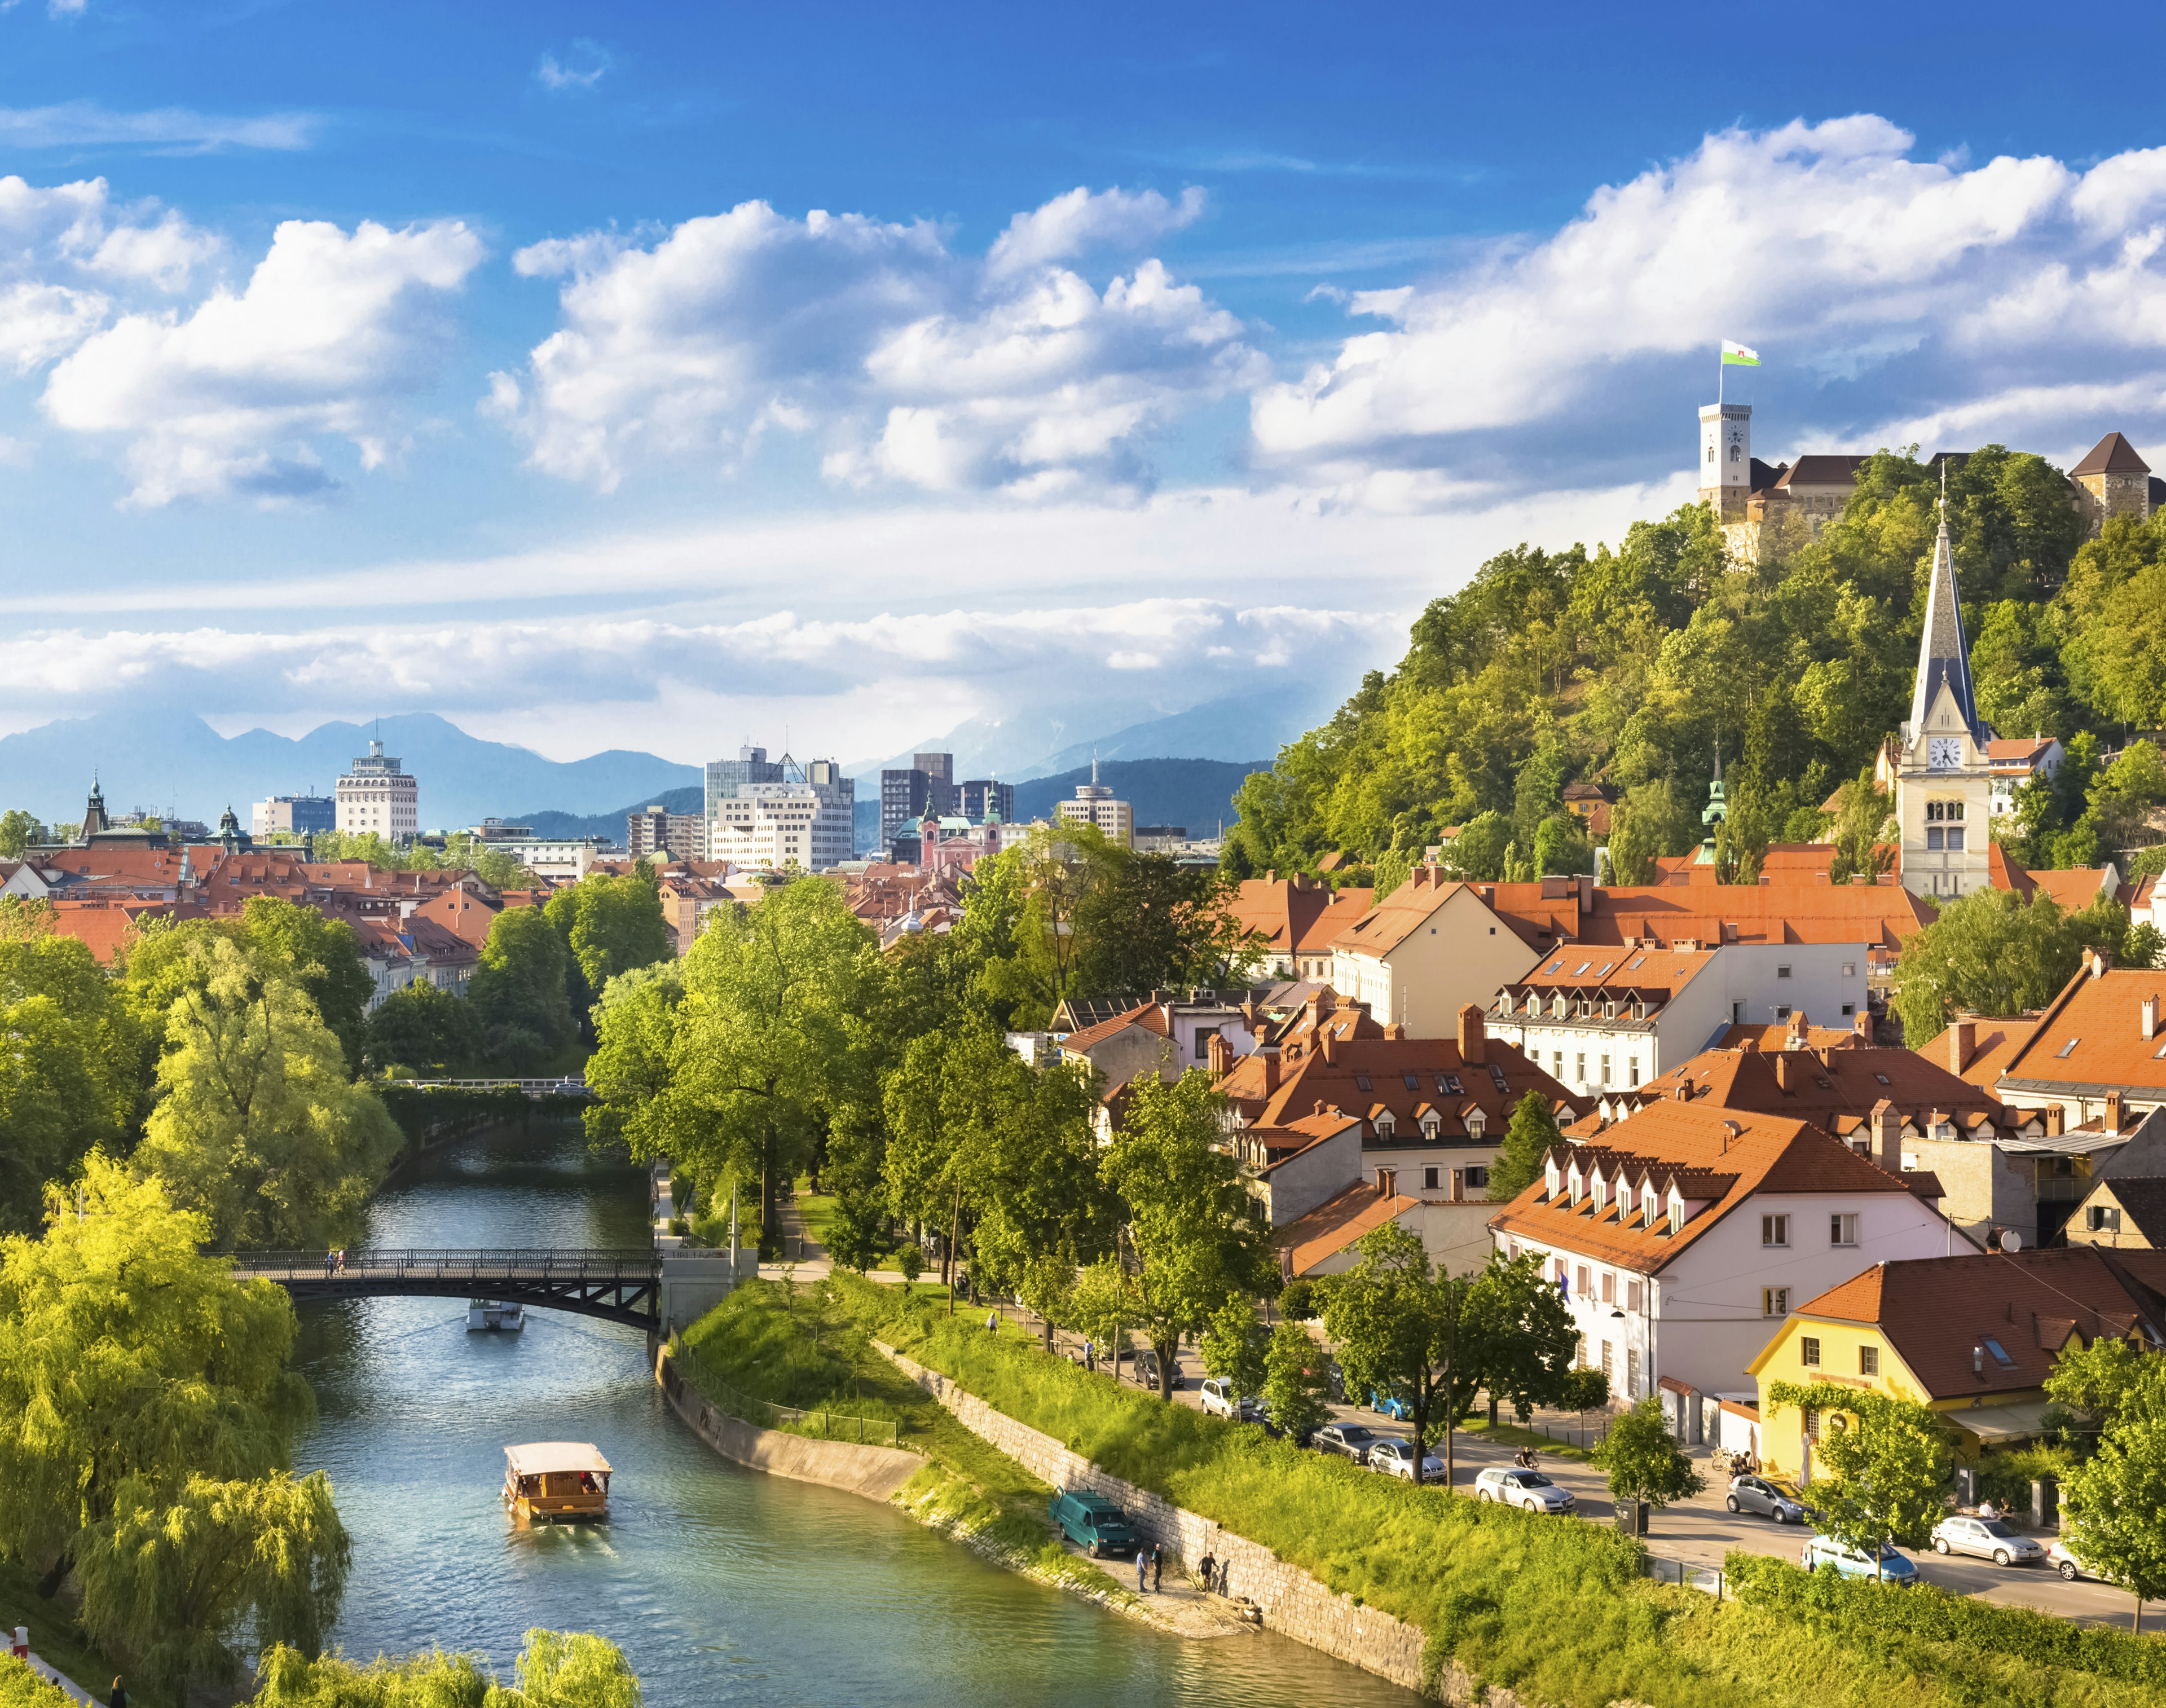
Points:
(656, 830)
(982, 798)
(302, 815)
(782, 814)
(1094, 804)
(377, 797)
(927, 785)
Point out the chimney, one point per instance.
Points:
(1862, 1024)
(2113, 1112)
(1683, 1092)
(1731, 1131)
(1270, 1052)
(1387, 1183)
(2102, 961)
(1962, 1040)
(1330, 1047)
(1219, 1054)
(1748, 1045)
(1801, 1028)
(1161, 999)
(2147, 1026)
(1887, 1136)
(2056, 1119)
(1271, 874)
(1786, 1070)
(1586, 890)
(1473, 1034)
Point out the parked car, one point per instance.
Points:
(1768, 1499)
(1147, 1367)
(1093, 1523)
(1396, 1459)
(1349, 1440)
(1392, 1406)
(2062, 1559)
(1851, 1563)
(1262, 1415)
(1989, 1538)
(1220, 1400)
(1528, 1490)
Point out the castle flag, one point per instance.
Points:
(1737, 355)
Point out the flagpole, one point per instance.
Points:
(1719, 364)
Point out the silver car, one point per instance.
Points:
(1396, 1459)
(1770, 1500)
(1988, 1539)
(1528, 1490)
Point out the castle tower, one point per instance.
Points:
(1725, 459)
(2115, 481)
(1943, 781)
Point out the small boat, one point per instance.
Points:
(551, 1480)
(488, 1314)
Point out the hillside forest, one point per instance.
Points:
(1634, 667)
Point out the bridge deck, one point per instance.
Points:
(618, 1284)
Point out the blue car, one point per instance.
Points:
(1851, 1563)
(1391, 1405)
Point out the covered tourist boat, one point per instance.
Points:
(550, 1480)
(486, 1314)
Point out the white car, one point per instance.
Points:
(1220, 1400)
(1396, 1459)
(1989, 1538)
(2062, 1559)
(1528, 1490)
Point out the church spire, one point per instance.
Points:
(1943, 653)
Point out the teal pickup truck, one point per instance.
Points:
(1093, 1523)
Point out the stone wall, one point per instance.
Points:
(1293, 1602)
(875, 1473)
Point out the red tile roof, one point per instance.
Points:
(1312, 1076)
(1836, 1088)
(1884, 914)
(1148, 1015)
(1399, 914)
(2091, 1036)
(1337, 1222)
(2111, 455)
(1945, 1315)
(1294, 917)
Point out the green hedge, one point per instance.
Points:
(21, 1688)
(1931, 1614)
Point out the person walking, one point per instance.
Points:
(330, 1258)
(1204, 1572)
(1090, 1355)
(118, 1699)
(1143, 1565)
(992, 1322)
(1158, 1567)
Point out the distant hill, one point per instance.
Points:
(692, 798)
(1196, 794)
(158, 757)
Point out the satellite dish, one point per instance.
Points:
(2011, 1241)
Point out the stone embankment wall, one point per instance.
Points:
(1293, 1603)
(875, 1473)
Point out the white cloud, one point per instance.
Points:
(580, 69)
(178, 129)
(910, 363)
(1926, 290)
(334, 332)
(65, 250)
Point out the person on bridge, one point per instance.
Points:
(330, 1261)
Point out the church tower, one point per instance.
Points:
(1725, 459)
(1943, 781)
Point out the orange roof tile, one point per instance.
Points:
(1363, 1073)
(1337, 1222)
(2091, 1036)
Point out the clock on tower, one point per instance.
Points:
(1944, 752)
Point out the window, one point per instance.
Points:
(1774, 1230)
(2068, 1048)
(1609, 1360)
(1634, 1065)
(1809, 1352)
(1204, 1035)
(1413, 1081)
(1850, 968)
(2000, 1353)
(1782, 972)
(1935, 838)
(1579, 1064)
(1556, 1056)
(1868, 1360)
(1632, 1298)
(1583, 1292)
(1955, 839)
(1608, 1287)
(1774, 1301)
(1783, 1013)
(1563, 1275)
(1478, 1177)
(1632, 1372)
(1849, 1009)
(1429, 1180)
(2103, 1218)
(1813, 1422)
(1361, 1083)
(1842, 1230)
(1605, 1070)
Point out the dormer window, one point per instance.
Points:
(1578, 1183)
(1476, 1121)
(1385, 1124)
(1551, 1178)
(1601, 1194)
(1556, 1007)
(1676, 1211)
(1647, 1204)
(1429, 1125)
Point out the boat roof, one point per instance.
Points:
(533, 1458)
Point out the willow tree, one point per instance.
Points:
(147, 1410)
(557, 1669)
(257, 1125)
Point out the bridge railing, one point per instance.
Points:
(570, 1086)
(765, 1413)
(510, 1263)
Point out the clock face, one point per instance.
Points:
(1944, 752)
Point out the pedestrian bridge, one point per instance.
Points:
(619, 1285)
(571, 1086)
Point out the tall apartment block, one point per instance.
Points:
(927, 785)
(777, 814)
(376, 796)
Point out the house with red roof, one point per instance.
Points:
(1294, 920)
(1429, 947)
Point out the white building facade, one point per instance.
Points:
(766, 816)
(378, 797)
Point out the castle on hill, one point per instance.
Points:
(1764, 507)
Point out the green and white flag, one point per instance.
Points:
(1737, 355)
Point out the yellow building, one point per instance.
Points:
(1970, 1337)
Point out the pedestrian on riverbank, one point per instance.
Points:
(1158, 1567)
(118, 1699)
(1204, 1572)
(1143, 1565)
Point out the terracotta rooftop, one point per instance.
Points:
(1391, 921)
(1294, 916)
(1823, 469)
(1148, 1015)
(2006, 752)
(1337, 1222)
(1884, 914)
(1991, 1042)
(1992, 1322)
(1742, 1152)
(2093, 1034)
(1836, 1088)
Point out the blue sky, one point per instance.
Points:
(656, 376)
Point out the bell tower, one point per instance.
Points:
(1944, 782)
(1725, 459)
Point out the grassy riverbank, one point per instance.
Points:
(1555, 1609)
(55, 1636)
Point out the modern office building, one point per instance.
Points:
(1094, 804)
(982, 798)
(780, 814)
(378, 797)
(301, 815)
(927, 785)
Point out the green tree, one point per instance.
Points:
(1527, 1139)
(1295, 1387)
(557, 1669)
(521, 992)
(1526, 1333)
(634, 1066)
(137, 1377)
(1190, 1221)
(319, 956)
(1879, 1467)
(1401, 1328)
(611, 925)
(1561, 847)
(1234, 1344)
(1643, 1460)
(1862, 847)
(2115, 1502)
(1476, 854)
(421, 1028)
(18, 830)
(257, 1126)
(1989, 952)
(68, 1077)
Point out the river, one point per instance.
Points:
(723, 1585)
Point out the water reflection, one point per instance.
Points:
(723, 1585)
